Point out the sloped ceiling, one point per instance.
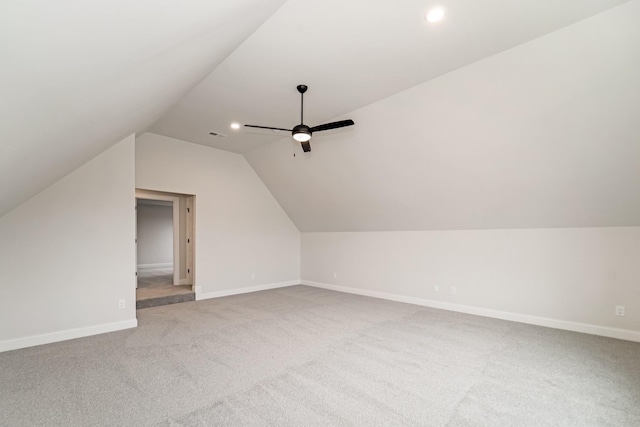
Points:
(546, 134)
(78, 76)
(351, 54)
(541, 134)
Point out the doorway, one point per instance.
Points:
(165, 267)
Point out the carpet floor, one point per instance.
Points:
(155, 288)
(301, 356)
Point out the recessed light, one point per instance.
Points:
(235, 126)
(435, 14)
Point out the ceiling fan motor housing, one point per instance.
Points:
(301, 132)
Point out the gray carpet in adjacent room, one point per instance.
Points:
(303, 356)
(155, 288)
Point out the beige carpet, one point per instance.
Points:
(304, 356)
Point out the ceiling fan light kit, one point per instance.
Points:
(302, 133)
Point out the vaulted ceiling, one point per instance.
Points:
(505, 114)
(78, 76)
(543, 135)
(351, 54)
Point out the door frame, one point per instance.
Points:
(190, 229)
(148, 195)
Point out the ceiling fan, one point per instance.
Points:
(302, 133)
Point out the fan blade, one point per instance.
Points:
(267, 127)
(333, 125)
(306, 146)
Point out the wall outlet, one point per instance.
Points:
(335, 276)
(436, 288)
(454, 290)
(122, 304)
(253, 276)
(620, 310)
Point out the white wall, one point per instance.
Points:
(568, 275)
(155, 234)
(240, 229)
(67, 255)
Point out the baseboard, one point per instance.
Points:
(623, 334)
(68, 334)
(161, 265)
(184, 282)
(217, 294)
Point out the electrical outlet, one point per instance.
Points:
(620, 310)
(436, 288)
(253, 276)
(454, 290)
(122, 304)
(335, 276)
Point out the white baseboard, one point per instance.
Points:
(68, 334)
(623, 334)
(184, 282)
(217, 294)
(161, 265)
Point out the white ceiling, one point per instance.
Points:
(78, 76)
(351, 54)
(475, 122)
(543, 135)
